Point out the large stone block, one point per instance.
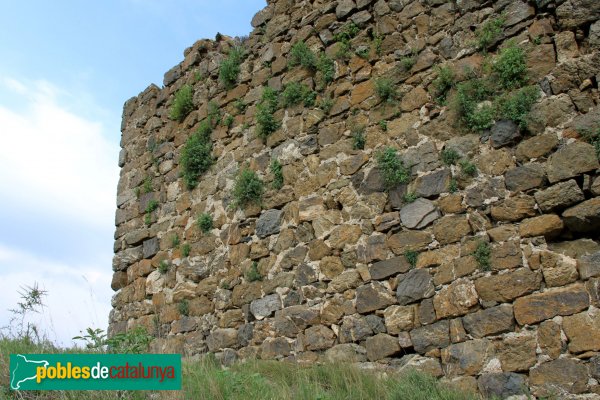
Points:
(490, 321)
(541, 306)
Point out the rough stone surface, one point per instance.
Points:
(418, 214)
(386, 268)
(491, 321)
(467, 358)
(430, 337)
(373, 296)
(583, 331)
(381, 346)
(541, 306)
(269, 223)
(502, 384)
(584, 217)
(417, 284)
(565, 374)
(456, 299)
(571, 160)
(504, 132)
(561, 195)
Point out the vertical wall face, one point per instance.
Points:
(483, 265)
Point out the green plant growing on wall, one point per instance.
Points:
(240, 106)
(383, 125)
(363, 52)
(205, 222)
(151, 206)
(516, 106)
(358, 137)
(410, 197)
(450, 156)
(183, 103)
(148, 185)
(489, 32)
(592, 136)
(378, 44)
(175, 241)
(196, 155)
(407, 62)
(253, 274)
(443, 83)
(468, 98)
(453, 187)
(326, 68)
(228, 121)
(186, 249)
(247, 189)
(184, 307)
(326, 104)
(385, 90)
(214, 114)
(230, 67)
(163, 267)
(411, 256)
(302, 55)
(276, 170)
(468, 168)
(482, 256)
(265, 110)
(392, 168)
(295, 93)
(510, 67)
(343, 37)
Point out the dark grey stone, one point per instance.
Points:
(432, 184)
(269, 223)
(414, 286)
(589, 265)
(418, 214)
(502, 385)
(430, 337)
(525, 177)
(150, 247)
(387, 268)
(376, 323)
(504, 132)
(264, 307)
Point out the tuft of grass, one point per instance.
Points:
(183, 307)
(378, 44)
(175, 241)
(343, 37)
(196, 156)
(240, 106)
(476, 116)
(468, 168)
(489, 32)
(302, 55)
(482, 256)
(163, 267)
(183, 103)
(410, 197)
(407, 62)
(228, 121)
(517, 105)
(265, 110)
(358, 137)
(385, 90)
(253, 274)
(383, 125)
(186, 249)
(148, 185)
(326, 68)
(450, 156)
(230, 67)
(247, 189)
(295, 93)
(443, 83)
(510, 67)
(326, 104)
(411, 256)
(453, 187)
(392, 168)
(205, 222)
(214, 114)
(276, 170)
(151, 206)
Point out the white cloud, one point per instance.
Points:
(53, 159)
(78, 295)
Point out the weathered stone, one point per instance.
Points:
(570, 161)
(504, 132)
(455, 299)
(381, 346)
(523, 178)
(352, 164)
(557, 269)
(418, 214)
(564, 374)
(451, 228)
(386, 221)
(245, 293)
(502, 385)
(373, 296)
(514, 208)
(344, 7)
(310, 208)
(221, 339)
(573, 13)
(319, 337)
(434, 336)
(502, 233)
(266, 306)
(185, 324)
(536, 146)
(483, 192)
(331, 266)
(348, 279)
(545, 225)
(384, 269)
(150, 247)
(467, 358)
(432, 184)
(583, 331)
(414, 99)
(589, 265)
(346, 353)
(269, 223)
(491, 321)
(541, 306)
(399, 319)
(275, 348)
(344, 234)
(517, 351)
(354, 329)
(495, 162)
(301, 316)
(414, 286)
(506, 287)
(408, 240)
(584, 217)
(575, 248)
(549, 339)
(561, 195)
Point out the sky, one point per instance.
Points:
(67, 68)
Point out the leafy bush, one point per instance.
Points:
(511, 67)
(411, 256)
(196, 155)
(392, 168)
(489, 32)
(186, 249)
(410, 197)
(214, 114)
(516, 106)
(163, 267)
(230, 67)
(228, 121)
(296, 93)
(358, 137)
(443, 83)
(247, 189)
(205, 222)
(468, 168)
(301, 54)
(276, 170)
(343, 37)
(450, 156)
(184, 307)
(135, 341)
(326, 67)
(265, 111)
(482, 256)
(253, 274)
(183, 103)
(385, 89)
(469, 95)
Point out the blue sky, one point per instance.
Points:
(67, 68)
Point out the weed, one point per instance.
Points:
(163, 267)
(95, 339)
(378, 44)
(410, 197)
(196, 156)
(392, 168)
(228, 121)
(406, 63)
(151, 206)
(363, 52)
(343, 37)
(175, 241)
(516, 106)
(247, 189)
(230, 67)
(137, 192)
(477, 117)
(186, 249)
(358, 137)
(411, 256)
(240, 106)
(135, 341)
(443, 83)
(265, 111)
(276, 170)
(148, 219)
(253, 274)
(148, 185)
(468, 168)
(301, 54)
(184, 307)
(214, 114)
(482, 256)
(383, 125)
(385, 89)
(537, 40)
(453, 187)
(326, 104)
(225, 285)
(205, 222)
(593, 138)
(326, 67)
(489, 32)
(197, 76)
(450, 156)
(511, 67)
(296, 93)
(183, 104)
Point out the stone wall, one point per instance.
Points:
(489, 279)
